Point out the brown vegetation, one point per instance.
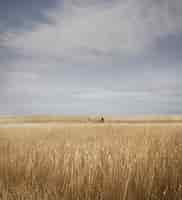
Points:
(91, 162)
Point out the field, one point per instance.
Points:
(91, 161)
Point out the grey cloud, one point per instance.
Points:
(23, 14)
(87, 32)
(114, 57)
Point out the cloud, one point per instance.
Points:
(88, 30)
(23, 15)
(108, 55)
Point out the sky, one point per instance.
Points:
(91, 57)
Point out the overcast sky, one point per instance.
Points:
(88, 57)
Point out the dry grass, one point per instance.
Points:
(91, 162)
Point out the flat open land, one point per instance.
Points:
(43, 159)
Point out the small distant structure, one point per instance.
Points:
(96, 119)
(102, 119)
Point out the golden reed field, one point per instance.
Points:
(90, 160)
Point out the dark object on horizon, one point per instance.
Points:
(102, 119)
(96, 119)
